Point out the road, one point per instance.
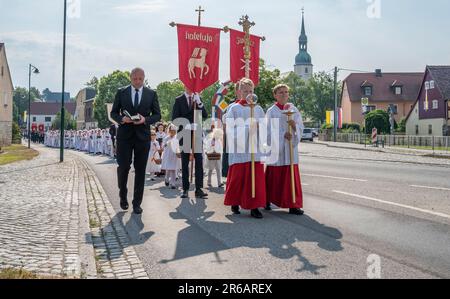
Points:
(359, 214)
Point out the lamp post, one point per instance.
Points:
(35, 71)
(61, 152)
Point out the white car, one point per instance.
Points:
(308, 135)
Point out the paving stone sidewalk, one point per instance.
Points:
(56, 221)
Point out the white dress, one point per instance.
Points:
(169, 157)
(152, 167)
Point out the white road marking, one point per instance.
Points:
(333, 177)
(395, 204)
(434, 188)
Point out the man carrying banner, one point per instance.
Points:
(282, 171)
(241, 129)
(185, 107)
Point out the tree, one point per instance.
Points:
(107, 87)
(267, 81)
(20, 99)
(378, 119)
(297, 89)
(167, 93)
(93, 83)
(69, 121)
(319, 96)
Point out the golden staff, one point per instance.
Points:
(246, 24)
(291, 154)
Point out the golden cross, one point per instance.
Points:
(200, 10)
(246, 25)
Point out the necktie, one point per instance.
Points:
(136, 99)
(190, 102)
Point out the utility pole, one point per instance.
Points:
(61, 147)
(335, 104)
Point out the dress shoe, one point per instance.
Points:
(137, 210)
(221, 185)
(268, 207)
(124, 205)
(235, 210)
(185, 194)
(256, 214)
(167, 183)
(298, 212)
(200, 194)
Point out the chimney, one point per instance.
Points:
(378, 73)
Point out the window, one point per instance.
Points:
(417, 129)
(435, 104)
(431, 84)
(306, 70)
(398, 90)
(430, 129)
(368, 91)
(394, 108)
(48, 119)
(34, 118)
(2, 71)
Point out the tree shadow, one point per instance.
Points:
(194, 241)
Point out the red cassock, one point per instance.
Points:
(239, 186)
(278, 186)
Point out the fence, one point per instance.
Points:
(405, 141)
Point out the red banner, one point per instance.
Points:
(237, 61)
(198, 54)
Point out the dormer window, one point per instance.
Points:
(368, 91)
(398, 90)
(431, 84)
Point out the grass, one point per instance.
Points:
(16, 153)
(11, 273)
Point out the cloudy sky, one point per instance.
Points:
(105, 35)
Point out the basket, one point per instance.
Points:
(157, 161)
(214, 156)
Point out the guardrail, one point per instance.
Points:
(433, 143)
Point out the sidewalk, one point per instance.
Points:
(56, 221)
(387, 149)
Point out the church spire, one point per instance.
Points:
(303, 40)
(303, 62)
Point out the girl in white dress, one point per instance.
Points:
(169, 158)
(152, 166)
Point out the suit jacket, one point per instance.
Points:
(181, 109)
(148, 108)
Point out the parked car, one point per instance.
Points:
(308, 134)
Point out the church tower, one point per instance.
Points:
(303, 63)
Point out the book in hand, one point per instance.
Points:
(133, 118)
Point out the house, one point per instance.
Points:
(6, 99)
(54, 97)
(43, 114)
(381, 90)
(431, 112)
(85, 111)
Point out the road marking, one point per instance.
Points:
(434, 188)
(334, 178)
(395, 204)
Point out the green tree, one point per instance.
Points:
(297, 89)
(107, 87)
(167, 93)
(20, 99)
(319, 96)
(69, 121)
(15, 133)
(93, 83)
(267, 81)
(378, 119)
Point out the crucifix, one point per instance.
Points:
(199, 10)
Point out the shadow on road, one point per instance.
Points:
(193, 241)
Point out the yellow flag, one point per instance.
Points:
(426, 100)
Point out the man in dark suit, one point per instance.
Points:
(184, 108)
(134, 136)
(113, 133)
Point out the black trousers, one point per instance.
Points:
(198, 170)
(125, 151)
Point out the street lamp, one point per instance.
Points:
(35, 71)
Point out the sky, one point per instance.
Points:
(106, 35)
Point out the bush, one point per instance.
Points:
(378, 119)
(16, 136)
(327, 127)
(402, 126)
(352, 127)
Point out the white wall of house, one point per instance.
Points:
(46, 120)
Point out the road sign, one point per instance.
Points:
(374, 136)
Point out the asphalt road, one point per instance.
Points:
(359, 215)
